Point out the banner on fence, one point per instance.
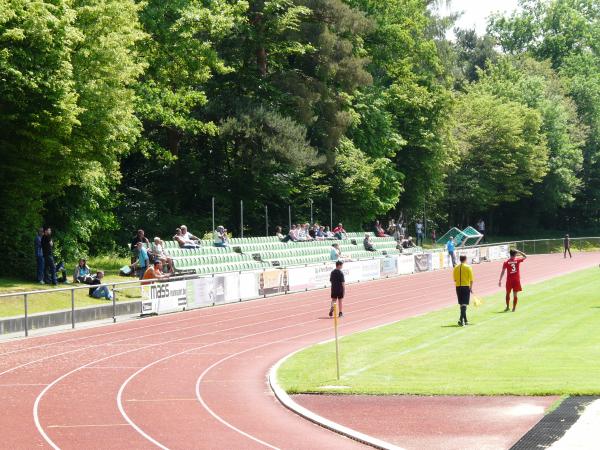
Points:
(422, 262)
(406, 264)
(160, 298)
(389, 266)
(472, 255)
(498, 252)
(249, 285)
(272, 282)
(367, 269)
(302, 278)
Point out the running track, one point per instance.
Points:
(198, 379)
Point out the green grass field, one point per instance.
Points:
(551, 345)
(52, 301)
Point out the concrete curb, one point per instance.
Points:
(290, 404)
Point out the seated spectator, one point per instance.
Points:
(292, 235)
(378, 229)
(303, 233)
(320, 233)
(178, 237)
(220, 237)
(81, 274)
(187, 236)
(158, 250)
(391, 229)
(142, 262)
(154, 272)
(400, 242)
(328, 233)
(408, 243)
(100, 291)
(397, 235)
(279, 233)
(368, 244)
(339, 231)
(336, 254)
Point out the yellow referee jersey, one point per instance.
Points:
(463, 275)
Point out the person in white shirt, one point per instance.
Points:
(219, 237)
(481, 229)
(420, 233)
(187, 236)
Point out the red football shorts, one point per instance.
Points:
(513, 285)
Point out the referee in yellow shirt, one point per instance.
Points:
(463, 278)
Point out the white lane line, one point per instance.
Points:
(126, 382)
(159, 400)
(90, 425)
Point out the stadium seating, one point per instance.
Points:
(257, 253)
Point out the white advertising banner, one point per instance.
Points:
(160, 298)
(389, 266)
(249, 285)
(406, 264)
(301, 278)
(361, 270)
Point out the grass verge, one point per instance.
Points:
(550, 346)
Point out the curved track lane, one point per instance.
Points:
(198, 379)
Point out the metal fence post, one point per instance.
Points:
(534, 247)
(26, 315)
(72, 308)
(114, 301)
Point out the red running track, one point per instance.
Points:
(198, 379)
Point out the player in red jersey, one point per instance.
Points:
(513, 276)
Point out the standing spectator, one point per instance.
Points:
(339, 231)
(463, 279)
(401, 228)
(481, 229)
(378, 229)
(139, 237)
(48, 252)
(567, 246)
(420, 233)
(39, 255)
(81, 274)
(398, 237)
(142, 261)
(368, 244)
(433, 236)
(337, 288)
(187, 236)
(450, 247)
(219, 237)
(99, 291)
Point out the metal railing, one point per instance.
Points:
(531, 246)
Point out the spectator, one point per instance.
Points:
(39, 255)
(291, 236)
(319, 233)
(339, 231)
(99, 291)
(81, 274)
(279, 233)
(178, 237)
(154, 272)
(328, 233)
(402, 228)
(303, 233)
(420, 232)
(139, 237)
(398, 237)
(391, 229)
(336, 253)
(450, 247)
(408, 243)
(142, 261)
(219, 237)
(158, 250)
(433, 236)
(312, 231)
(187, 236)
(567, 246)
(378, 229)
(48, 252)
(481, 229)
(368, 244)
(400, 242)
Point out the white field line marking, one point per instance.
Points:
(152, 400)
(287, 401)
(114, 343)
(134, 375)
(57, 380)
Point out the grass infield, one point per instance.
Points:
(550, 346)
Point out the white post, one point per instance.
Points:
(213, 214)
(242, 218)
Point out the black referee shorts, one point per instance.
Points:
(463, 294)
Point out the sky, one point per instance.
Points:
(475, 12)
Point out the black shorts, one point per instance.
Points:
(463, 294)
(337, 293)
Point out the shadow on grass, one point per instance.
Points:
(451, 326)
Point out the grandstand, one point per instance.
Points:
(266, 252)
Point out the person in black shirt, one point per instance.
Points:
(97, 291)
(337, 287)
(48, 252)
(567, 246)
